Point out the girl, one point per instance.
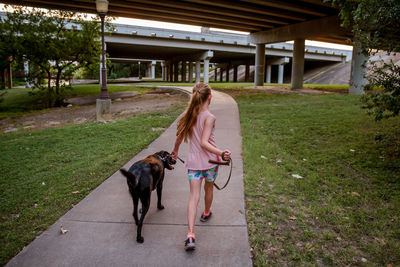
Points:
(197, 124)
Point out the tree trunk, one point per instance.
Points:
(3, 79)
(49, 90)
(58, 99)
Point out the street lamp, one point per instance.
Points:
(102, 8)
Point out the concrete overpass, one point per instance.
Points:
(226, 51)
(269, 21)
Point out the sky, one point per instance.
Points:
(182, 27)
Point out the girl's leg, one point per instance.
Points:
(208, 198)
(195, 190)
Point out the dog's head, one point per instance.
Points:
(167, 160)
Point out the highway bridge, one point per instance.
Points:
(182, 53)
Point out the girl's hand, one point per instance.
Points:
(226, 154)
(174, 155)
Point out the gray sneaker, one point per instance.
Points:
(190, 244)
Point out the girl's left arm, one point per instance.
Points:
(178, 143)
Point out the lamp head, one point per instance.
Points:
(102, 6)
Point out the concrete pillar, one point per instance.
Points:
(176, 71)
(190, 72)
(247, 73)
(26, 73)
(269, 73)
(215, 73)
(235, 73)
(298, 64)
(170, 72)
(197, 71)
(227, 73)
(221, 74)
(184, 71)
(206, 71)
(358, 71)
(153, 69)
(280, 73)
(259, 66)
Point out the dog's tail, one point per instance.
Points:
(130, 177)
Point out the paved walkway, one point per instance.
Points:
(101, 227)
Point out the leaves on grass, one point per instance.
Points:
(297, 176)
(62, 230)
(292, 218)
(263, 157)
(75, 192)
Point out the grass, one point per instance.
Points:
(346, 208)
(18, 101)
(40, 169)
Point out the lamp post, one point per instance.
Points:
(102, 8)
(103, 105)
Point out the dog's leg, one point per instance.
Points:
(159, 193)
(145, 199)
(135, 208)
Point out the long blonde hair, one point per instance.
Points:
(199, 96)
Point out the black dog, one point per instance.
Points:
(143, 177)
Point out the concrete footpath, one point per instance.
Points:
(101, 227)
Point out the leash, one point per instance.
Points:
(226, 163)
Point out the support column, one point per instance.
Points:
(358, 70)
(269, 73)
(197, 71)
(26, 73)
(190, 72)
(235, 73)
(298, 64)
(215, 74)
(280, 73)
(176, 71)
(184, 71)
(227, 73)
(206, 71)
(171, 72)
(259, 65)
(153, 69)
(221, 74)
(247, 73)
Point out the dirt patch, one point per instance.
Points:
(120, 108)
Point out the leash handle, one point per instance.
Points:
(230, 173)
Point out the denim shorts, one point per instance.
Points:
(209, 175)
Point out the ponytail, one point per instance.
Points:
(199, 96)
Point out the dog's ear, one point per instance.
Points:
(130, 177)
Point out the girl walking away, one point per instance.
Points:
(197, 125)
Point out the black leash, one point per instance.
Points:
(227, 163)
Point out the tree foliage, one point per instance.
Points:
(376, 25)
(55, 43)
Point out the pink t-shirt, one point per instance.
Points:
(198, 157)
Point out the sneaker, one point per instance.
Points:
(204, 217)
(190, 244)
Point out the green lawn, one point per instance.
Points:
(18, 101)
(346, 208)
(40, 170)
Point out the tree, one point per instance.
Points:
(376, 25)
(55, 43)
